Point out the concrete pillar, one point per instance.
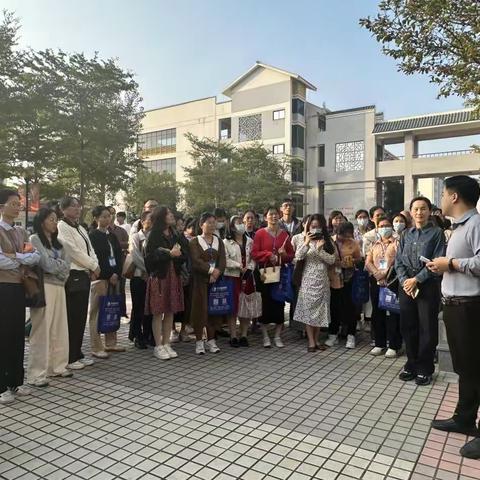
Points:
(409, 186)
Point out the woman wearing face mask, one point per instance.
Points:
(380, 259)
(208, 258)
(363, 226)
(313, 305)
(399, 225)
(343, 310)
(240, 267)
(335, 219)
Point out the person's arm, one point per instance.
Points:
(259, 253)
(369, 263)
(289, 254)
(301, 251)
(66, 235)
(7, 262)
(136, 253)
(118, 252)
(55, 266)
(400, 268)
(438, 251)
(230, 262)
(250, 262)
(222, 259)
(198, 264)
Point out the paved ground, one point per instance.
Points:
(242, 414)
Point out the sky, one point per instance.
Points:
(182, 50)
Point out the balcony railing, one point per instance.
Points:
(390, 157)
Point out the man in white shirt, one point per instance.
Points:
(121, 222)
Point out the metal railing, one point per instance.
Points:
(443, 154)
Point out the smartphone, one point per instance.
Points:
(316, 234)
(415, 293)
(424, 259)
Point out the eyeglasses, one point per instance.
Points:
(13, 205)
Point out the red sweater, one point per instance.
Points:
(264, 245)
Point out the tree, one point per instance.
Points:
(147, 184)
(439, 38)
(224, 175)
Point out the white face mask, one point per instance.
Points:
(399, 227)
(385, 232)
(362, 222)
(240, 228)
(220, 225)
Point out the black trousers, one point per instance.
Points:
(342, 310)
(463, 335)
(12, 335)
(384, 327)
(419, 327)
(140, 324)
(77, 310)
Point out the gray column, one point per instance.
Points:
(410, 187)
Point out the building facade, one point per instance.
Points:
(341, 157)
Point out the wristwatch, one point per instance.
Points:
(451, 268)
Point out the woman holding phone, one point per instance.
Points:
(314, 255)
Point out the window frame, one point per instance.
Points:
(282, 110)
(278, 145)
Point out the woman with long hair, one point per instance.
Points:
(165, 253)
(48, 355)
(335, 219)
(314, 255)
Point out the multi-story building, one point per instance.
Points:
(342, 159)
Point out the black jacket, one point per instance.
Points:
(101, 244)
(157, 256)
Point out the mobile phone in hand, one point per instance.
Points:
(424, 259)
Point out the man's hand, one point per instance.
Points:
(409, 286)
(95, 274)
(379, 275)
(438, 265)
(175, 252)
(114, 279)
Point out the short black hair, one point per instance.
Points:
(271, 207)
(359, 212)
(372, 211)
(66, 202)
(6, 193)
(465, 187)
(220, 212)
(121, 214)
(204, 217)
(287, 200)
(346, 227)
(421, 199)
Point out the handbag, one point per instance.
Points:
(128, 269)
(360, 287)
(388, 300)
(392, 280)
(109, 312)
(250, 306)
(271, 274)
(78, 281)
(283, 290)
(34, 287)
(220, 297)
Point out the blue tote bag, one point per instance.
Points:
(220, 297)
(283, 291)
(109, 313)
(360, 287)
(388, 300)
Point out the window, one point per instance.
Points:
(278, 114)
(298, 136)
(278, 149)
(321, 155)
(157, 143)
(298, 204)
(225, 128)
(298, 167)
(349, 156)
(321, 197)
(250, 128)
(322, 123)
(298, 106)
(168, 165)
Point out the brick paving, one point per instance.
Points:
(246, 413)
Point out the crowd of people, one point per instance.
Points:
(174, 265)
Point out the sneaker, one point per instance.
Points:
(76, 365)
(116, 348)
(278, 342)
(7, 397)
(88, 362)
(102, 354)
(350, 341)
(423, 380)
(22, 391)
(64, 374)
(161, 353)
(212, 346)
(234, 342)
(331, 340)
(174, 337)
(243, 342)
(171, 352)
(200, 347)
(39, 382)
(367, 325)
(372, 343)
(407, 376)
(266, 342)
(376, 351)
(391, 353)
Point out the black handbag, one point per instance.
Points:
(34, 288)
(78, 281)
(392, 280)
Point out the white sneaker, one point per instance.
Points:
(391, 353)
(7, 397)
(278, 342)
(200, 347)
(161, 353)
(171, 352)
(266, 342)
(102, 354)
(39, 382)
(22, 391)
(174, 337)
(212, 346)
(88, 362)
(75, 366)
(376, 351)
(372, 343)
(331, 340)
(350, 341)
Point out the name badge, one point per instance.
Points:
(112, 261)
(338, 270)
(383, 264)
